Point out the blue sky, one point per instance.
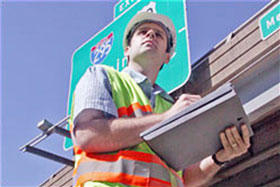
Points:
(37, 42)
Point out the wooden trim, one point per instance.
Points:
(58, 176)
(273, 183)
(242, 61)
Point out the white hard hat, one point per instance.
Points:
(160, 19)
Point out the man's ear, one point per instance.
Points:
(126, 51)
(167, 58)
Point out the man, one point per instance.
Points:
(112, 108)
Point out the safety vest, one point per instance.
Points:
(134, 166)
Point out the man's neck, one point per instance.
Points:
(150, 72)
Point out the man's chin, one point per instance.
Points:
(146, 54)
(149, 50)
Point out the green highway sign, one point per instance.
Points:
(270, 22)
(106, 46)
(122, 6)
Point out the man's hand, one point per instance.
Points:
(183, 101)
(233, 145)
(202, 172)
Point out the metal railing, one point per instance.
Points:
(48, 129)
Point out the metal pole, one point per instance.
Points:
(50, 156)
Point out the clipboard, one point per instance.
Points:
(193, 133)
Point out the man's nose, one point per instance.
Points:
(150, 33)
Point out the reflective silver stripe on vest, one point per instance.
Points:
(139, 113)
(130, 167)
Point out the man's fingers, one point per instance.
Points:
(225, 142)
(195, 97)
(242, 145)
(236, 136)
(232, 140)
(245, 135)
(189, 97)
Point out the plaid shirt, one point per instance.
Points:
(94, 91)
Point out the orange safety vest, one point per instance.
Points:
(135, 166)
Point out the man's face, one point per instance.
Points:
(149, 42)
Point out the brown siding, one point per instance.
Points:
(62, 178)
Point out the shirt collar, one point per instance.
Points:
(138, 77)
(144, 82)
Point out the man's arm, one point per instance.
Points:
(94, 133)
(233, 146)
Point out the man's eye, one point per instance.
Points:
(158, 34)
(142, 32)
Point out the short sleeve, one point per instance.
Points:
(93, 91)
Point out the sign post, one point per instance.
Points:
(106, 46)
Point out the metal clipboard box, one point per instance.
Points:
(193, 134)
